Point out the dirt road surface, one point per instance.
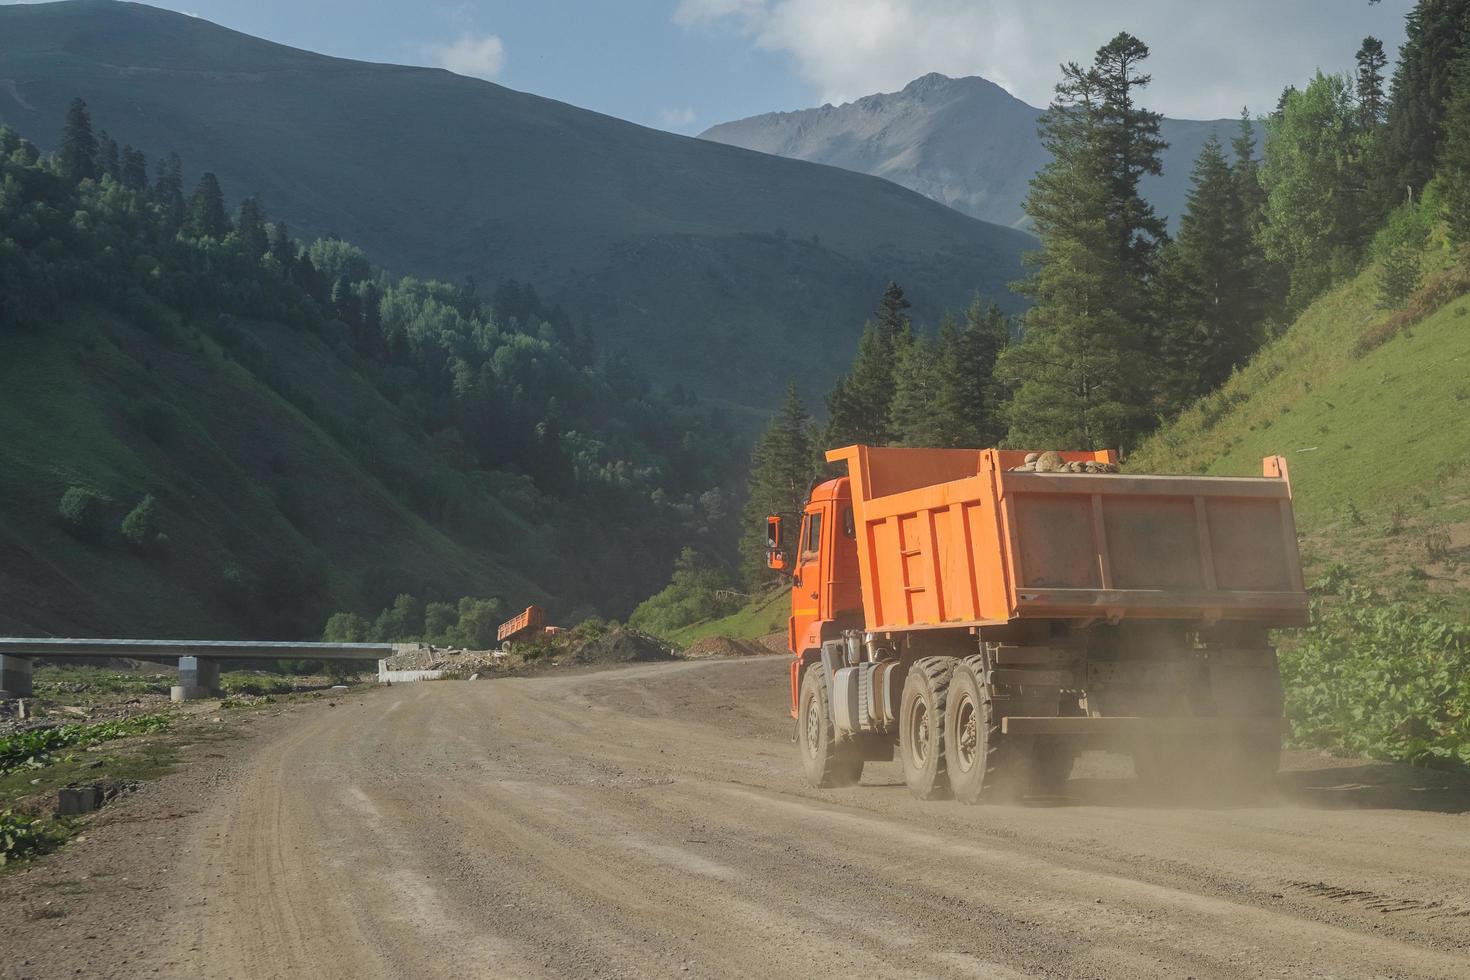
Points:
(649, 821)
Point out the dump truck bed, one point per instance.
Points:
(531, 619)
(955, 537)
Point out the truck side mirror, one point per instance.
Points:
(775, 557)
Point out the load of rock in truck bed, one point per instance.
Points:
(1052, 462)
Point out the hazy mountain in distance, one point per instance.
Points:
(727, 271)
(965, 142)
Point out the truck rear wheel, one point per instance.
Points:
(827, 762)
(982, 769)
(921, 721)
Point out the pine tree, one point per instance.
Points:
(109, 160)
(986, 335)
(913, 419)
(1436, 33)
(134, 169)
(892, 317)
(783, 464)
(953, 408)
(168, 190)
(857, 408)
(281, 247)
(1080, 370)
(206, 215)
(77, 160)
(1372, 106)
(1129, 144)
(1454, 156)
(250, 226)
(1212, 272)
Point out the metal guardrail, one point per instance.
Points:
(48, 646)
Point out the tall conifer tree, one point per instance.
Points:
(250, 226)
(206, 216)
(783, 464)
(1081, 369)
(77, 159)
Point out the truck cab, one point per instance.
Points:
(826, 590)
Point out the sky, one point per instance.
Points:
(684, 65)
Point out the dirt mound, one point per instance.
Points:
(774, 642)
(708, 647)
(621, 646)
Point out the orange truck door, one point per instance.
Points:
(807, 589)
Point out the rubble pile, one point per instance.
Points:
(1052, 462)
(712, 647)
(429, 657)
(619, 646)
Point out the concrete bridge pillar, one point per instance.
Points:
(15, 676)
(198, 679)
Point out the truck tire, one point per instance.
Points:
(826, 762)
(982, 768)
(921, 720)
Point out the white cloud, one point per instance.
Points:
(676, 117)
(481, 56)
(1208, 59)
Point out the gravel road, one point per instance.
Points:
(649, 821)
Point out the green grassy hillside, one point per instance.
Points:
(732, 270)
(763, 615)
(270, 523)
(1376, 433)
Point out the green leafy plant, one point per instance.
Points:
(1379, 679)
(34, 748)
(22, 836)
(82, 511)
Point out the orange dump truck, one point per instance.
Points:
(531, 621)
(987, 623)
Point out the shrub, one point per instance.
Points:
(479, 620)
(1437, 543)
(1379, 679)
(82, 511)
(346, 627)
(697, 591)
(22, 836)
(140, 528)
(440, 618)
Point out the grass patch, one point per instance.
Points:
(762, 616)
(1370, 418)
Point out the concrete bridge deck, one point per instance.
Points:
(198, 660)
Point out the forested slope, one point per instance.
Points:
(722, 269)
(210, 428)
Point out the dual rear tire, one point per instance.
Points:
(950, 740)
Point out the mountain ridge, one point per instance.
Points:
(437, 174)
(965, 142)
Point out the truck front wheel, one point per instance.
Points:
(921, 727)
(826, 762)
